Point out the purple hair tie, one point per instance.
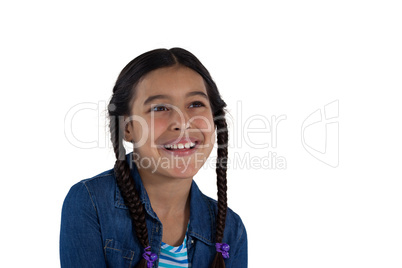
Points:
(149, 257)
(223, 248)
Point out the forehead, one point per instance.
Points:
(173, 81)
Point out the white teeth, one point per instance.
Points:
(180, 145)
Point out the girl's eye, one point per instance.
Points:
(197, 104)
(158, 108)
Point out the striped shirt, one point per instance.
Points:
(174, 257)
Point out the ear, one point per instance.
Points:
(128, 130)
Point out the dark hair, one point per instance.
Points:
(120, 105)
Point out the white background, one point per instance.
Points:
(275, 58)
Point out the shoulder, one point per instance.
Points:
(96, 183)
(90, 189)
(105, 177)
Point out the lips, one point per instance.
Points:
(182, 140)
(181, 147)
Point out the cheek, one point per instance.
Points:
(149, 129)
(204, 122)
(206, 125)
(158, 128)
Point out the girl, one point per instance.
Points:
(147, 211)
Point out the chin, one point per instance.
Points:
(183, 172)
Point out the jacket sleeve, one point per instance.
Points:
(240, 254)
(80, 234)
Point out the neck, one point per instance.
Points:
(169, 197)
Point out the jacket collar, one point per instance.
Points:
(202, 214)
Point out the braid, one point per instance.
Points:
(221, 168)
(127, 188)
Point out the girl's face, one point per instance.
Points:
(171, 126)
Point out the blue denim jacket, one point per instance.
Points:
(96, 228)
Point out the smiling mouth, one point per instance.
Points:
(180, 146)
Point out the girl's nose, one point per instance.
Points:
(180, 120)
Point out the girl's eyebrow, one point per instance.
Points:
(192, 93)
